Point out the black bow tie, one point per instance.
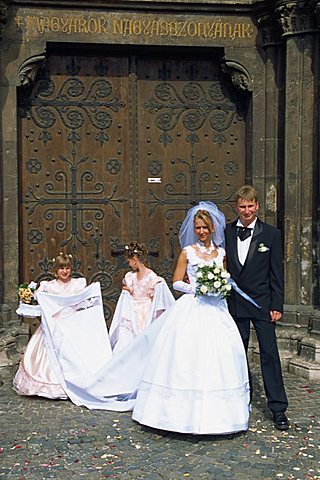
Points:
(243, 233)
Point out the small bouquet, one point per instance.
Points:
(26, 293)
(213, 280)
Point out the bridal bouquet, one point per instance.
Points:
(26, 293)
(213, 280)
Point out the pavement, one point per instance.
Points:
(46, 439)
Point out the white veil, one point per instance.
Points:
(187, 235)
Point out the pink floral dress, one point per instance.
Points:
(148, 298)
(35, 375)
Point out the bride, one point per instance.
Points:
(196, 378)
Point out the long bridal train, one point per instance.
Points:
(71, 342)
(160, 375)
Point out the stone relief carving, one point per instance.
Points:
(29, 68)
(296, 17)
(240, 76)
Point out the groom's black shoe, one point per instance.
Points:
(280, 420)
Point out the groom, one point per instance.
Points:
(255, 262)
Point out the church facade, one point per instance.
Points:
(117, 116)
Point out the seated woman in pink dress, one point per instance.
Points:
(144, 297)
(35, 375)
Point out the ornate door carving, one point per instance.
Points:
(192, 137)
(118, 148)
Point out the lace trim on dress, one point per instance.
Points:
(194, 259)
(204, 249)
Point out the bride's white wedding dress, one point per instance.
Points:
(196, 378)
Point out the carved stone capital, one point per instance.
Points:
(29, 68)
(239, 75)
(296, 17)
(3, 15)
(270, 29)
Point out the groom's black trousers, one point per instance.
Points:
(269, 359)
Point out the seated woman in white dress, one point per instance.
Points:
(35, 375)
(144, 297)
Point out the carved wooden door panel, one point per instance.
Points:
(192, 139)
(116, 148)
(74, 184)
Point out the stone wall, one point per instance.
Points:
(270, 51)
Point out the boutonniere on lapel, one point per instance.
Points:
(263, 248)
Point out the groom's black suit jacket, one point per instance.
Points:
(261, 276)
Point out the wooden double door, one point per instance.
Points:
(117, 147)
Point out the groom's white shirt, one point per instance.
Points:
(244, 245)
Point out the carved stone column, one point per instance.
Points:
(297, 23)
(3, 309)
(274, 59)
(274, 81)
(12, 339)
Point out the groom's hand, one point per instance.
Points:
(275, 316)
